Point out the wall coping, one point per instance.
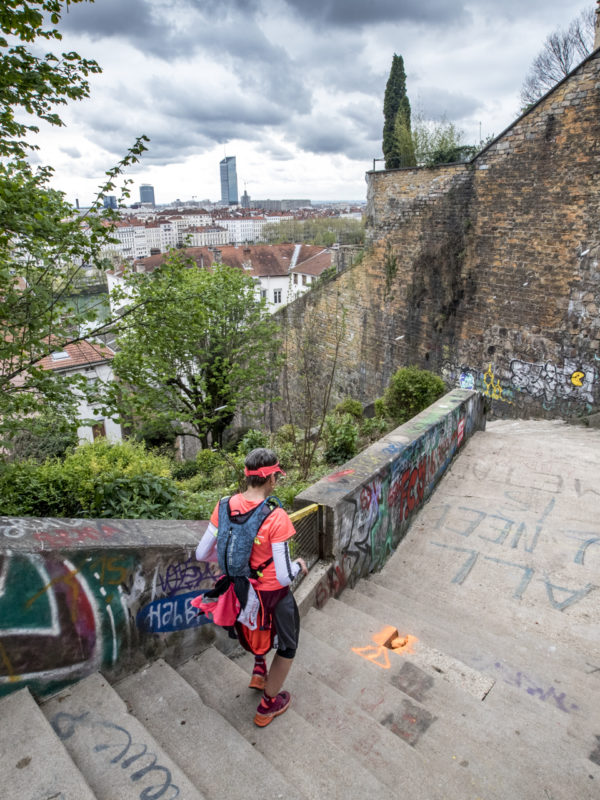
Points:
(44, 534)
(335, 487)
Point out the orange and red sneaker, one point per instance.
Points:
(270, 707)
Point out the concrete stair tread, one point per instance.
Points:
(481, 648)
(427, 658)
(219, 761)
(368, 740)
(417, 576)
(113, 750)
(510, 710)
(317, 767)
(33, 762)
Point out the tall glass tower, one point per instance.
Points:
(229, 190)
(146, 193)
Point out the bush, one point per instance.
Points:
(341, 438)
(372, 429)
(285, 435)
(251, 441)
(144, 496)
(380, 409)
(350, 406)
(183, 470)
(208, 461)
(46, 436)
(70, 488)
(200, 505)
(411, 390)
(157, 435)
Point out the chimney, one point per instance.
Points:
(597, 38)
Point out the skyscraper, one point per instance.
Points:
(109, 201)
(229, 190)
(146, 193)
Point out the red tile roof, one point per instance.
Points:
(266, 260)
(78, 355)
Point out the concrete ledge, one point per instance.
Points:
(368, 504)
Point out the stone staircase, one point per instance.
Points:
(447, 676)
(370, 713)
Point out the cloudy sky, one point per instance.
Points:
(293, 88)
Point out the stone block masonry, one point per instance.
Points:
(486, 273)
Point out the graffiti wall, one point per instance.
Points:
(566, 389)
(373, 499)
(77, 596)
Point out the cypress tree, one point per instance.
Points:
(396, 108)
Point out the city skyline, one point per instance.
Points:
(306, 120)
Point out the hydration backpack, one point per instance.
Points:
(236, 535)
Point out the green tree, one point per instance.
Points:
(320, 231)
(439, 142)
(45, 246)
(396, 114)
(198, 346)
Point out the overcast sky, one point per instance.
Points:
(293, 88)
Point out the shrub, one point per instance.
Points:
(252, 439)
(29, 489)
(411, 390)
(144, 496)
(285, 435)
(350, 406)
(380, 409)
(183, 470)
(200, 505)
(208, 461)
(373, 428)
(287, 492)
(157, 435)
(341, 438)
(69, 488)
(47, 436)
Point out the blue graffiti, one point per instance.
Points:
(170, 614)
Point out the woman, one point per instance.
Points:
(271, 557)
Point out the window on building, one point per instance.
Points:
(99, 429)
(263, 293)
(295, 277)
(277, 295)
(304, 280)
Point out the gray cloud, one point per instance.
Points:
(72, 152)
(435, 103)
(353, 13)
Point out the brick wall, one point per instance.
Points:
(486, 273)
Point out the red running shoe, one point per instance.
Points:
(270, 707)
(259, 676)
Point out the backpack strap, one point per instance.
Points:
(271, 504)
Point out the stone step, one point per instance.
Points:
(430, 660)
(302, 754)
(216, 758)
(33, 762)
(531, 591)
(509, 711)
(499, 657)
(341, 720)
(114, 751)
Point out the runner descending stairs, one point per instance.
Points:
(468, 669)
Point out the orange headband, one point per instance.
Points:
(264, 472)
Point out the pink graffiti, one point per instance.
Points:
(336, 476)
(65, 536)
